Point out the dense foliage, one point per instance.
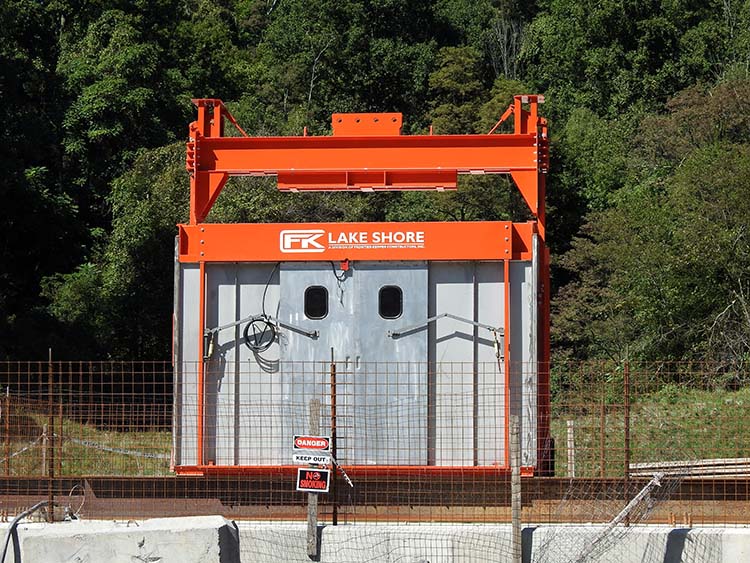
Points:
(649, 104)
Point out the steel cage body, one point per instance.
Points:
(366, 153)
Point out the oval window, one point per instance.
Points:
(390, 302)
(316, 302)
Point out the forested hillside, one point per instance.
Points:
(649, 109)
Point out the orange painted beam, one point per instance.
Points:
(289, 242)
(461, 153)
(367, 163)
(353, 470)
(368, 180)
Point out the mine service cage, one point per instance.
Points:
(437, 331)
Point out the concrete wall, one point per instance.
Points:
(468, 543)
(214, 539)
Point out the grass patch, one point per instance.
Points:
(672, 424)
(79, 459)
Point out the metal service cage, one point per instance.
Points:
(424, 322)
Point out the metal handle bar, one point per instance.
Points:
(402, 331)
(308, 333)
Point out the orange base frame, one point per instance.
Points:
(372, 470)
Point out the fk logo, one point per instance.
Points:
(301, 240)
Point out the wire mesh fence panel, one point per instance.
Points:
(413, 443)
(86, 418)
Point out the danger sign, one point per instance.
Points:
(318, 443)
(313, 480)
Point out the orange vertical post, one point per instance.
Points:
(506, 354)
(201, 364)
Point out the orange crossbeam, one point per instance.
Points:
(367, 153)
(456, 153)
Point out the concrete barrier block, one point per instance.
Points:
(207, 539)
(262, 542)
(637, 544)
(475, 542)
(356, 543)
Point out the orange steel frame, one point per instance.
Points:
(368, 153)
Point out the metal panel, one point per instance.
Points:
(242, 395)
(490, 386)
(388, 407)
(338, 329)
(451, 351)
(530, 426)
(523, 383)
(259, 406)
(305, 360)
(219, 375)
(190, 334)
(469, 385)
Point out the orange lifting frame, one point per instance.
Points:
(368, 153)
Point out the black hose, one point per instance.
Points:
(340, 277)
(14, 523)
(264, 335)
(265, 289)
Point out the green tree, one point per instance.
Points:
(118, 304)
(664, 273)
(615, 56)
(456, 91)
(115, 80)
(40, 234)
(638, 95)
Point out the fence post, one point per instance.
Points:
(45, 446)
(312, 498)
(60, 441)
(334, 451)
(6, 436)
(602, 433)
(626, 400)
(571, 448)
(50, 449)
(515, 489)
